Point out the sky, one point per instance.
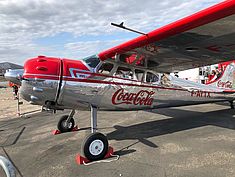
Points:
(76, 28)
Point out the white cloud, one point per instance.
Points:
(89, 47)
(23, 21)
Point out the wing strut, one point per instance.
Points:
(129, 29)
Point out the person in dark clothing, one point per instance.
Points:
(15, 91)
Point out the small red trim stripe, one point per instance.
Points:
(102, 75)
(229, 91)
(41, 77)
(119, 83)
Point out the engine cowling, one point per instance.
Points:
(41, 80)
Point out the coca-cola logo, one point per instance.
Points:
(143, 97)
(227, 84)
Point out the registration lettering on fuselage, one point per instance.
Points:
(199, 93)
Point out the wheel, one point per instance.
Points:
(95, 146)
(63, 126)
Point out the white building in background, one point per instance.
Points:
(190, 74)
(199, 75)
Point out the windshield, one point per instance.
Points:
(92, 61)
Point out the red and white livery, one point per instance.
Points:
(135, 74)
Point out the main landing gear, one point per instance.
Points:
(95, 146)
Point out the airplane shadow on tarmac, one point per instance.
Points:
(180, 120)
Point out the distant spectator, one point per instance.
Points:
(15, 89)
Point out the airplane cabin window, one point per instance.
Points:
(152, 64)
(139, 75)
(92, 61)
(124, 72)
(106, 68)
(123, 57)
(133, 58)
(152, 77)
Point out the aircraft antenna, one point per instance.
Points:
(129, 29)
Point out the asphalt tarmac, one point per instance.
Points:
(187, 142)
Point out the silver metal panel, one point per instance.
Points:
(38, 92)
(120, 94)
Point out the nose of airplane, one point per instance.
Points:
(42, 67)
(41, 79)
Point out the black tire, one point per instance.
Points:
(91, 143)
(62, 127)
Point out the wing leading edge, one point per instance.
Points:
(204, 38)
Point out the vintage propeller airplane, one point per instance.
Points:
(135, 74)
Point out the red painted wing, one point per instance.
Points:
(204, 38)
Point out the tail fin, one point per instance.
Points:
(224, 78)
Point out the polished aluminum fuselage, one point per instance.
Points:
(78, 91)
(103, 95)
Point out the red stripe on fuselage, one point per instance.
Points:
(33, 76)
(102, 75)
(65, 78)
(119, 83)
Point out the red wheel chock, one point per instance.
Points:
(56, 132)
(82, 160)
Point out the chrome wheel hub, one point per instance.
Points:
(96, 147)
